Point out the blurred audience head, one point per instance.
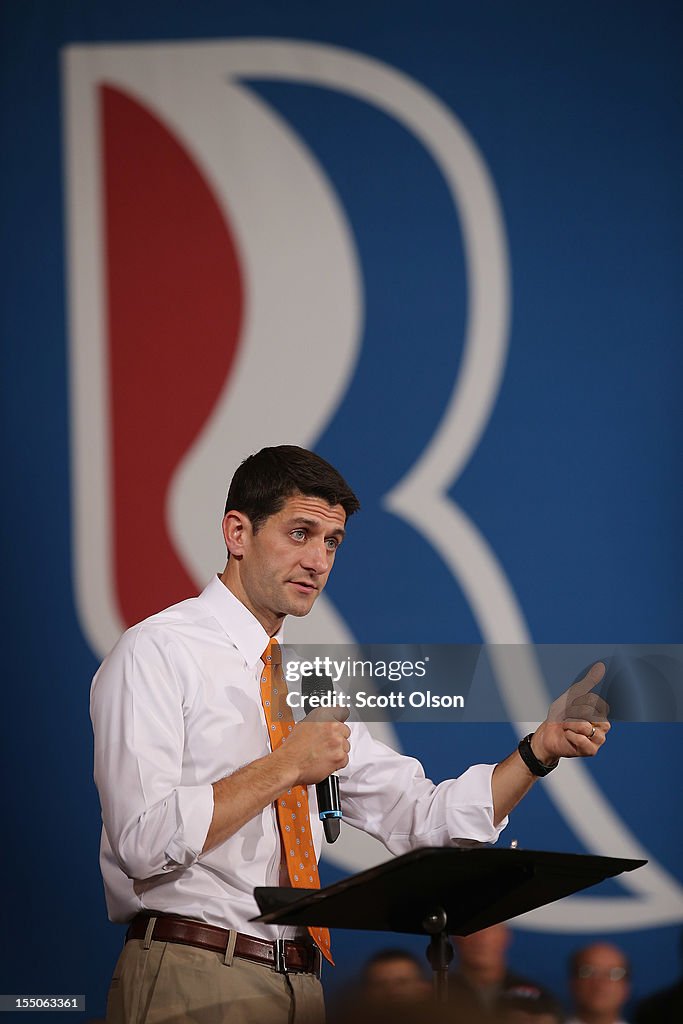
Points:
(482, 956)
(395, 975)
(599, 981)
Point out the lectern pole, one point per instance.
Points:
(439, 951)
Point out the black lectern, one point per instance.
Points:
(437, 891)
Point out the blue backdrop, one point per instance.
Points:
(572, 480)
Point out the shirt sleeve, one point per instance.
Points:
(153, 821)
(387, 795)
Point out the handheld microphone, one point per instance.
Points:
(327, 791)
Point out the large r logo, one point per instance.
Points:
(296, 283)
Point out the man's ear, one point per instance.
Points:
(236, 532)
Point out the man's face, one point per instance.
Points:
(285, 565)
(600, 983)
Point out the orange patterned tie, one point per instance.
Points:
(292, 806)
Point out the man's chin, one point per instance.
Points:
(302, 609)
(302, 606)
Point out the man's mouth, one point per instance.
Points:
(303, 586)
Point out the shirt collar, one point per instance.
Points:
(245, 631)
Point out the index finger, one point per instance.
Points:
(337, 714)
(590, 707)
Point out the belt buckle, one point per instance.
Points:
(280, 963)
(279, 951)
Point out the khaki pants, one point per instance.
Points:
(169, 983)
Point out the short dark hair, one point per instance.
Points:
(531, 1000)
(264, 481)
(387, 956)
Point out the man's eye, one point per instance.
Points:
(299, 534)
(332, 544)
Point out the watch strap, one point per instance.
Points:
(527, 755)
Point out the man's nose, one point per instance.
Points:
(315, 556)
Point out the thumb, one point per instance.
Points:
(559, 708)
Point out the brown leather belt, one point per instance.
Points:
(283, 955)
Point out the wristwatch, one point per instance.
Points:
(527, 755)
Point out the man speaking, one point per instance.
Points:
(208, 787)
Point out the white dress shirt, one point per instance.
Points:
(176, 706)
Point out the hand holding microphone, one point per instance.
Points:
(320, 744)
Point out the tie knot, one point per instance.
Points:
(272, 654)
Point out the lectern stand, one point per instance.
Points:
(437, 891)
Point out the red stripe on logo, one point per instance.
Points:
(175, 303)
